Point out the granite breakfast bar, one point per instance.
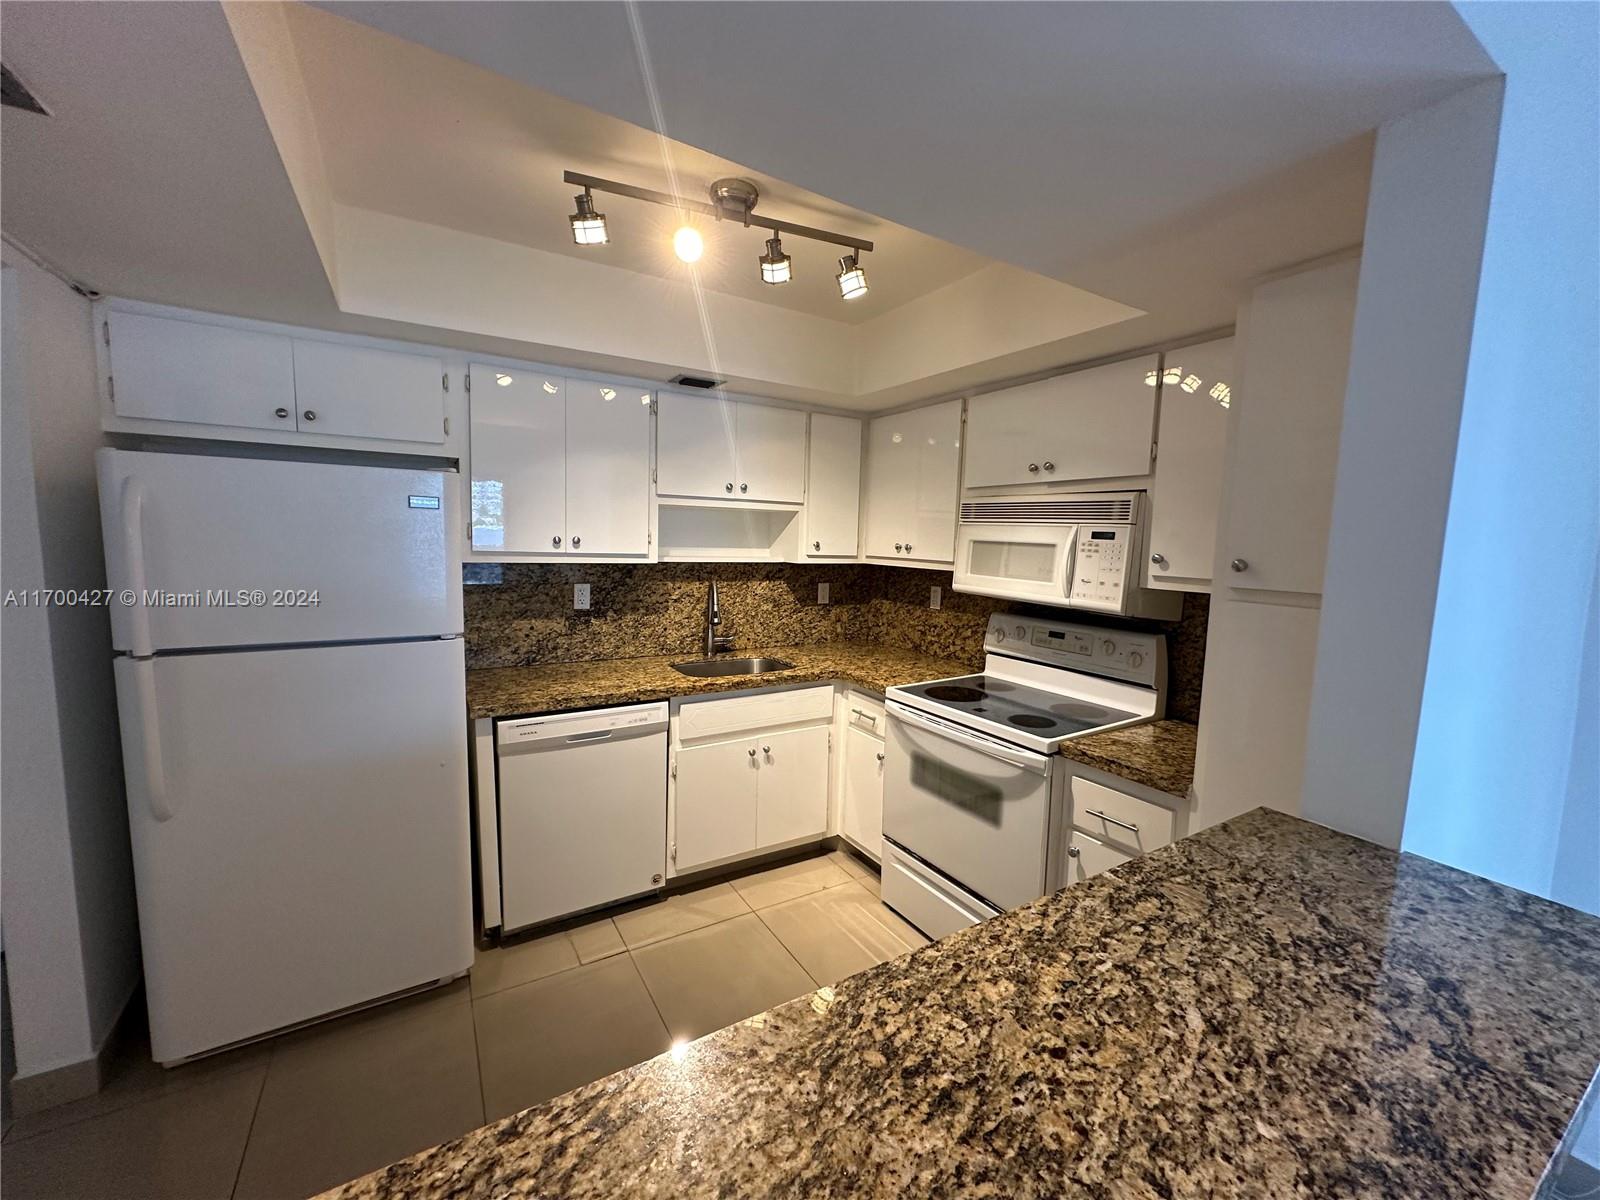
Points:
(1266, 1010)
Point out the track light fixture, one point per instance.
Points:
(588, 226)
(852, 277)
(731, 199)
(775, 265)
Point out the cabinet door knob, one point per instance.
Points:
(1239, 564)
(766, 749)
(816, 545)
(744, 487)
(752, 751)
(727, 487)
(1072, 852)
(1033, 468)
(898, 547)
(1158, 559)
(576, 541)
(309, 415)
(908, 547)
(556, 541)
(280, 413)
(1049, 466)
(880, 755)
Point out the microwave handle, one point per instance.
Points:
(1069, 558)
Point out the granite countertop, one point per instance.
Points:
(552, 687)
(1265, 1011)
(1158, 755)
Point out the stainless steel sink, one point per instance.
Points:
(711, 668)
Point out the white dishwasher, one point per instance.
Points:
(583, 810)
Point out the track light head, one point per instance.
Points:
(775, 264)
(588, 226)
(852, 278)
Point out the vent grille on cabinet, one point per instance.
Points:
(1117, 507)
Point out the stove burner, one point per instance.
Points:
(955, 693)
(1029, 721)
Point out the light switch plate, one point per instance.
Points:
(935, 597)
(580, 597)
(822, 593)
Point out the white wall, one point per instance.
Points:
(1504, 778)
(1397, 447)
(70, 919)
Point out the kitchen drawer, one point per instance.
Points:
(1097, 810)
(1088, 856)
(716, 718)
(929, 901)
(864, 712)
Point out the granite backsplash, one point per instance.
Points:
(644, 609)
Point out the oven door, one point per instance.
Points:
(974, 808)
(1015, 562)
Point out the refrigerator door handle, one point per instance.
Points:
(155, 776)
(132, 506)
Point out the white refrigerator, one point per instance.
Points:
(290, 680)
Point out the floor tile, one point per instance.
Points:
(548, 1037)
(710, 978)
(790, 881)
(873, 882)
(521, 962)
(597, 940)
(839, 931)
(344, 1099)
(186, 1143)
(679, 913)
(851, 863)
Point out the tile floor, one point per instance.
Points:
(290, 1117)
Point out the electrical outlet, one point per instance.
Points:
(935, 597)
(822, 593)
(580, 597)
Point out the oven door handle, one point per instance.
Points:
(1039, 764)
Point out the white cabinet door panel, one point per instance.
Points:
(695, 439)
(519, 481)
(607, 469)
(357, 391)
(168, 370)
(792, 785)
(833, 487)
(913, 482)
(771, 453)
(714, 803)
(1186, 492)
(861, 806)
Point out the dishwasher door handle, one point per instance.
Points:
(599, 735)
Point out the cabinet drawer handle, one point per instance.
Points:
(280, 413)
(727, 487)
(865, 716)
(1095, 812)
(309, 415)
(1033, 468)
(744, 487)
(556, 541)
(1239, 564)
(1049, 466)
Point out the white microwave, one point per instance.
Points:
(1074, 550)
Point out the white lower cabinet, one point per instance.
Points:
(860, 782)
(748, 774)
(1107, 826)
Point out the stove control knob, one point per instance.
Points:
(999, 635)
(1022, 633)
(1136, 660)
(1108, 647)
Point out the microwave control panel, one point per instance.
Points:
(1100, 567)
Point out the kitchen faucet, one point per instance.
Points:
(715, 641)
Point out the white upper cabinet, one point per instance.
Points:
(833, 487)
(1287, 409)
(163, 369)
(714, 449)
(770, 453)
(357, 391)
(1081, 427)
(913, 473)
(559, 466)
(1186, 492)
(695, 446)
(519, 482)
(607, 469)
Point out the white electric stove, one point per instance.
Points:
(970, 768)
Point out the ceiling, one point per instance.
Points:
(986, 138)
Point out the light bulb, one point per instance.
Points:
(588, 226)
(687, 244)
(852, 277)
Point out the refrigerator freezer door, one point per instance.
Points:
(254, 552)
(300, 832)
